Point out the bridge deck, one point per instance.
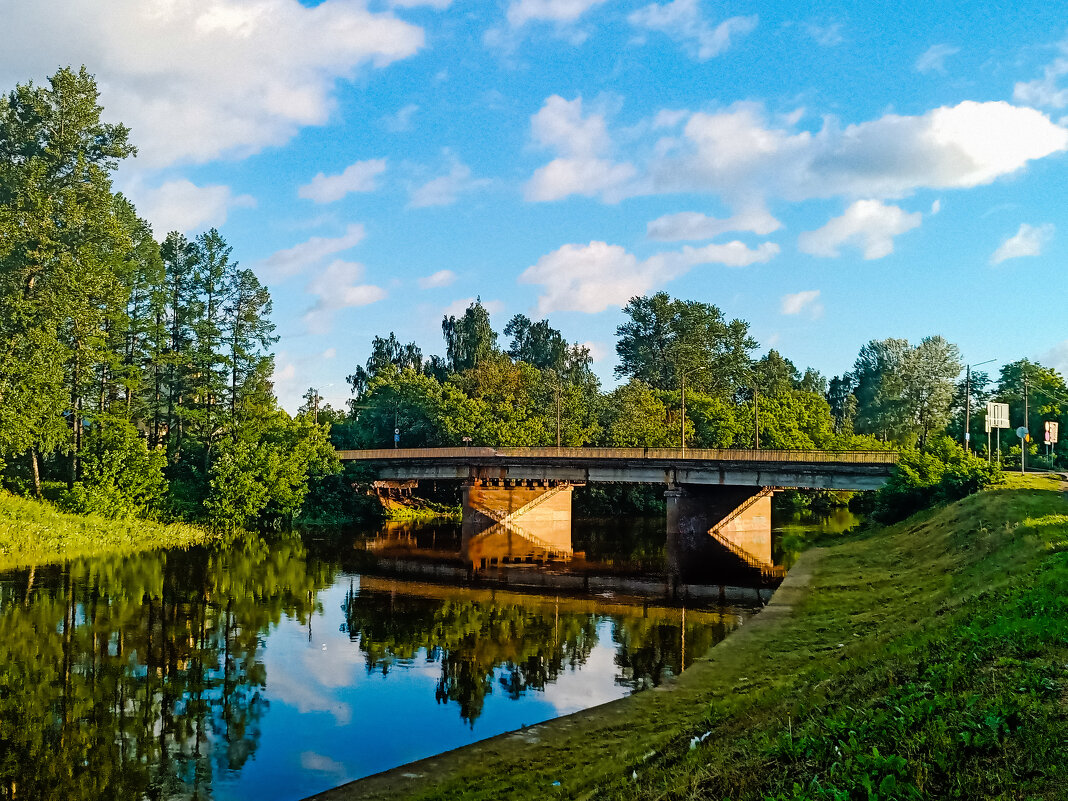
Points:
(847, 470)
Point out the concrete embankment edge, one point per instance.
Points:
(569, 744)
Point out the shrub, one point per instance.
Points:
(942, 472)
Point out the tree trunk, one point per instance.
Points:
(36, 473)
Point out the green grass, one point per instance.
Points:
(35, 532)
(928, 659)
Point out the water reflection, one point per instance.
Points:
(262, 671)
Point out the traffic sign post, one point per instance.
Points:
(1021, 432)
(396, 437)
(997, 417)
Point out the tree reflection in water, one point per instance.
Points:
(140, 677)
(524, 645)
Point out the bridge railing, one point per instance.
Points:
(664, 454)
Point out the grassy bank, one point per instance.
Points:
(924, 660)
(35, 532)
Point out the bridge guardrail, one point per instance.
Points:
(671, 454)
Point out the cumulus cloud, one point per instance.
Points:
(826, 35)
(437, 5)
(439, 279)
(867, 224)
(1046, 91)
(802, 301)
(180, 205)
(299, 258)
(359, 177)
(200, 79)
(1027, 241)
(336, 287)
(934, 58)
(446, 189)
(521, 12)
(681, 20)
(590, 278)
(581, 140)
(691, 225)
(743, 157)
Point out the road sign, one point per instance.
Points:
(1051, 431)
(1021, 432)
(396, 431)
(998, 415)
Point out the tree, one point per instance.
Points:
(665, 337)
(469, 338)
(928, 383)
(61, 244)
(385, 352)
(634, 417)
(877, 375)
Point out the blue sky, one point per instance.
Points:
(830, 173)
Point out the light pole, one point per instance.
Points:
(682, 386)
(968, 401)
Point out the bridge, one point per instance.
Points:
(718, 500)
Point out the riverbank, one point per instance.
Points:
(925, 659)
(36, 533)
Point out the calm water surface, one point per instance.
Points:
(276, 669)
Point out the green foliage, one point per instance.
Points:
(941, 473)
(121, 475)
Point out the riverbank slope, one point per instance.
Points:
(36, 533)
(926, 659)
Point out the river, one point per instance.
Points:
(276, 668)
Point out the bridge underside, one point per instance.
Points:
(710, 529)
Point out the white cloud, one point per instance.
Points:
(737, 154)
(801, 301)
(590, 278)
(297, 259)
(560, 125)
(520, 12)
(934, 58)
(598, 350)
(1046, 91)
(437, 5)
(682, 21)
(401, 120)
(581, 140)
(459, 306)
(446, 189)
(181, 205)
(439, 279)
(336, 288)
(359, 177)
(329, 353)
(936, 206)
(1027, 241)
(868, 224)
(199, 79)
(692, 225)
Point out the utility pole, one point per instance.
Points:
(756, 415)
(1023, 439)
(967, 407)
(683, 423)
(558, 411)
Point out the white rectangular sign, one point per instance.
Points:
(998, 415)
(1051, 431)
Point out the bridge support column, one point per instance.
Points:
(515, 522)
(717, 528)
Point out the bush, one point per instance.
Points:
(121, 476)
(943, 472)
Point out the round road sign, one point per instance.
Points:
(1021, 432)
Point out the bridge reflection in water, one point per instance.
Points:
(517, 501)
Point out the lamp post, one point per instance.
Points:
(682, 386)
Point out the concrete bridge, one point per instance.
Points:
(718, 501)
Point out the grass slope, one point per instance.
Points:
(924, 660)
(35, 532)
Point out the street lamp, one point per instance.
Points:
(968, 401)
(682, 382)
